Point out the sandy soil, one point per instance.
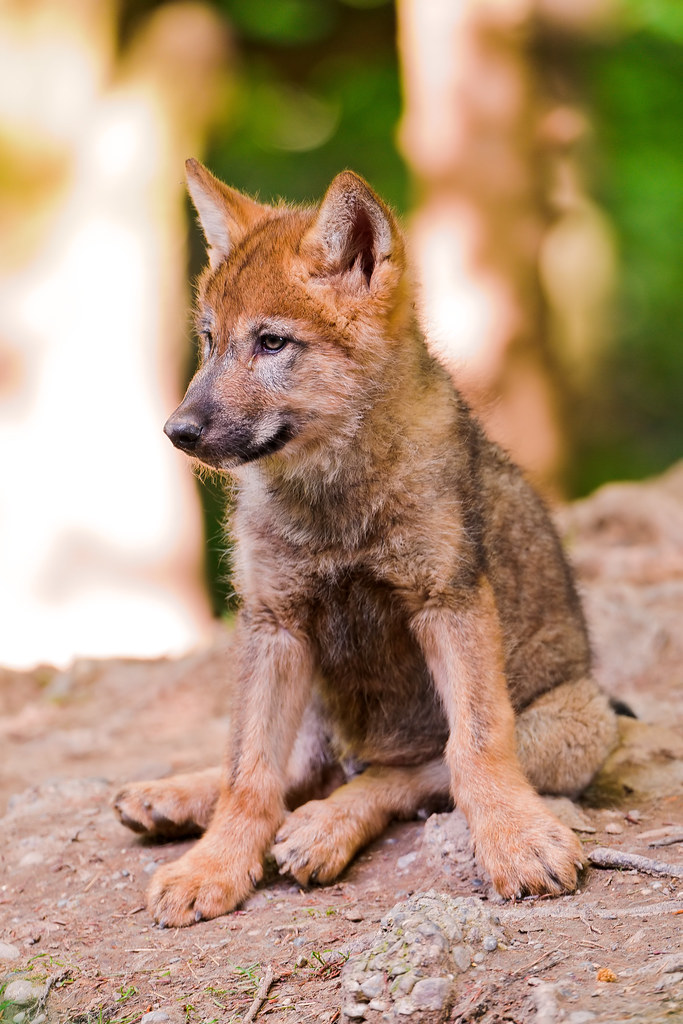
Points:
(77, 944)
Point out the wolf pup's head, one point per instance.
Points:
(300, 314)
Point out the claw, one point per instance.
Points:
(129, 822)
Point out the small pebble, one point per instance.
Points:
(490, 943)
(634, 816)
(406, 860)
(352, 915)
(20, 1017)
(614, 829)
(606, 974)
(8, 951)
(29, 859)
(461, 957)
(373, 987)
(21, 992)
(431, 993)
(155, 1017)
(397, 969)
(355, 1011)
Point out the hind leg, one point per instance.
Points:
(564, 737)
(183, 805)
(317, 841)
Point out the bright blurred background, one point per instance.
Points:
(534, 148)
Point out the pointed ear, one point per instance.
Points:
(353, 232)
(224, 213)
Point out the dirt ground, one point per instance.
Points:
(77, 944)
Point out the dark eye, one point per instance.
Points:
(272, 342)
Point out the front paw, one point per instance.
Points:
(316, 842)
(199, 886)
(527, 851)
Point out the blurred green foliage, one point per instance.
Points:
(317, 88)
(317, 91)
(631, 425)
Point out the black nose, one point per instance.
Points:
(184, 433)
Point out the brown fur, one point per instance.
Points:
(407, 611)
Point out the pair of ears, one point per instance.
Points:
(352, 228)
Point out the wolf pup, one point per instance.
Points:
(407, 612)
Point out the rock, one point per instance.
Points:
(669, 981)
(545, 999)
(406, 860)
(411, 968)
(648, 762)
(625, 541)
(431, 993)
(22, 993)
(31, 859)
(155, 1017)
(569, 813)
(446, 842)
(8, 952)
(614, 828)
(629, 531)
(372, 988)
(352, 915)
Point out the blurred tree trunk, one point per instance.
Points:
(100, 546)
(495, 167)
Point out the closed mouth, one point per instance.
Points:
(269, 447)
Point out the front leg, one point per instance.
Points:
(520, 843)
(275, 670)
